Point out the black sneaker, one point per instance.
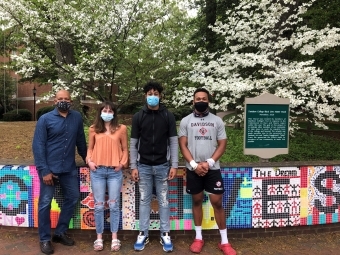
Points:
(46, 247)
(63, 239)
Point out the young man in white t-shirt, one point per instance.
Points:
(203, 140)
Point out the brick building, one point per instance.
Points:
(28, 95)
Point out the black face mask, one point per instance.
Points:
(63, 106)
(201, 106)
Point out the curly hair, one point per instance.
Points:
(153, 85)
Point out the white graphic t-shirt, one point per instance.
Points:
(203, 134)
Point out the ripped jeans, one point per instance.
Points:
(105, 178)
(150, 176)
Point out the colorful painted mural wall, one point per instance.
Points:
(259, 197)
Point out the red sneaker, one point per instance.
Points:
(227, 249)
(196, 246)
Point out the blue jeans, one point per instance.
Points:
(150, 176)
(70, 187)
(105, 177)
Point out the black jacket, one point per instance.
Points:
(151, 130)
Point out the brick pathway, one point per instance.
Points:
(26, 243)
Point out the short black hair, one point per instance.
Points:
(202, 90)
(153, 85)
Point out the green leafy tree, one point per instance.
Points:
(321, 14)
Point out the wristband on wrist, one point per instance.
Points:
(210, 162)
(193, 164)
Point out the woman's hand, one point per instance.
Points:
(92, 166)
(118, 168)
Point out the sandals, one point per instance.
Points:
(115, 245)
(98, 245)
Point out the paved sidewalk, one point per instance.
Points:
(26, 243)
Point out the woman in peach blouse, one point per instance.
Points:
(107, 156)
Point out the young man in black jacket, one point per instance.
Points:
(154, 161)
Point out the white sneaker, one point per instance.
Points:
(142, 240)
(166, 242)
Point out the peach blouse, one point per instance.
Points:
(108, 149)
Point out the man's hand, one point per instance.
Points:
(202, 169)
(134, 175)
(172, 173)
(48, 179)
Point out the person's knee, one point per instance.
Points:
(197, 200)
(144, 200)
(113, 204)
(216, 204)
(99, 206)
(145, 197)
(74, 196)
(44, 204)
(45, 200)
(163, 198)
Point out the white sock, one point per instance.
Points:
(224, 238)
(198, 230)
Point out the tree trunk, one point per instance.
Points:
(210, 17)
(309, 124)
(237, 124)
(65, 55)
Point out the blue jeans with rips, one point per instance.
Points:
(106, 178)
(150, 176)
(69, 184)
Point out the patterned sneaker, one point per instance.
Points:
(142, 240)
(166, 242)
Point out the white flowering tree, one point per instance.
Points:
(268, 48)
(94, 46)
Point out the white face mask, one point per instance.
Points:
(107, 116)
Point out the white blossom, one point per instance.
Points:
(238, 72)
(124, 42)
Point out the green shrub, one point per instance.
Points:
(44, 110)
(130, 108)
(175, 112)
(18, 115)
(181, 112)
